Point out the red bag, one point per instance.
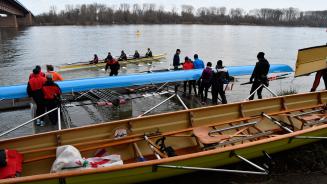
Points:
(14, 165)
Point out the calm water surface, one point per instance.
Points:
(22, 49)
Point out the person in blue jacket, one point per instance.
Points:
(198, 63)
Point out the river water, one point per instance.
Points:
(22, 49)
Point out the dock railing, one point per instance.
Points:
(32, 120)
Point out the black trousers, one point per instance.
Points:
(113, 73)
(53, 116)
(255, 86)
(218, 89)
(191, 83)
(40, 108)
(203, 90)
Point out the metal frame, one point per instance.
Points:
(233, 127)
(262, 85)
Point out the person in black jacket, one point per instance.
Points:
(219, 78)
(259, 75)
(176, 61)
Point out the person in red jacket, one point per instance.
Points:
(51, 95)
(34, 90)
(38, 67)
(114, 67)
(188, 65)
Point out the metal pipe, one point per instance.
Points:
(270, 90)
(179, 98)
(152, 147)
(277, 123)
(212, 170)
(13, 129)
(251, 163)
(309, 137)
(59, 119)
(254, 92)
(305, 113)
(157, 105)
(232, 127)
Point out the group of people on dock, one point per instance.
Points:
(44, 92)
(215, 78)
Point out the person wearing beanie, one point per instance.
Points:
(259, 75)
(34, 90)
(51, 95)
(219, 78)
(205, 84)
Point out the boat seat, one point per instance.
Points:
(202, 134)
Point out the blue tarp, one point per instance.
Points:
(19, 91)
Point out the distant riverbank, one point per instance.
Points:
(99, 14)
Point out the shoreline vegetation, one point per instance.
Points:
(100, 14)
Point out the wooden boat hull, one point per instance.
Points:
(310, 60)
(99, 135)
(101, 64)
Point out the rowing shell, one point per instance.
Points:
(77, 85)
(310, 60)
(101, 64)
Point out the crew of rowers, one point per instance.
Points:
(44, 92)
(113, 64)
(215, 78)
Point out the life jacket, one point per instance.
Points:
(13, 168)
(36, 81)
(56, 76)
(50, 91)
(188, 66)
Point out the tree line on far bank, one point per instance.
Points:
(100, 14)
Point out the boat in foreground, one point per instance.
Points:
(101, 64)
(310, 60)
(178, 142)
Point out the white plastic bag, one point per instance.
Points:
(106, 161)
(68, 157)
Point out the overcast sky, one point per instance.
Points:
(40, 6)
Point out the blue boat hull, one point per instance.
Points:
(19, 91)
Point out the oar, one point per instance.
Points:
(140, 157)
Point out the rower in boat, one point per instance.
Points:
(148, 53)
(51, 95)
(259, 75)
(205, 84)
(319, 74)
(56, 76)
(123, 56)
(136, 55)
(108, 58)
(114, 66)
(95, 59)
(219, 78)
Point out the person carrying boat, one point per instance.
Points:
(259, 75)
(114, 67)
(205, 84)
(219, 78)
(56, 76)
(136, 55)
(198, 63)
(176, 61)
(34, 90)
(95, 59)
(148, 53)
(319, 74)
(123, 56)
(188, 65)
(51, 95)
(38, 67)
